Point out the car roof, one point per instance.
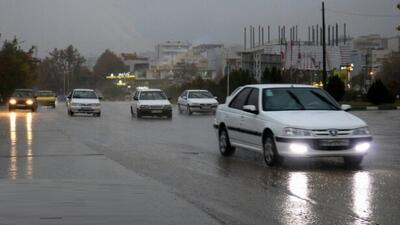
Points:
(153, 89)
(196, 90)
(280, 86)
(83, 89)
(23, 90)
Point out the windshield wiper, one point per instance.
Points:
(324, 99)
(296, 99)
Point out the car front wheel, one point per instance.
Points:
(138, 114)
(271, 156)
(225, 147)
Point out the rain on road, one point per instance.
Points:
(53, 163)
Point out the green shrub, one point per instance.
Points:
(336, 87)
(379, 94)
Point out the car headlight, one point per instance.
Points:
(13, 101)
(144, 107)
(361, 131)
(295, 132)
(96, 104)
(29, 102)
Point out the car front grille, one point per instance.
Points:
(326, 133)
(21, 102)
(156, 107)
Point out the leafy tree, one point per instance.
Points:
(106, 64)
(379, 94)
(61, 70)
(18, 68)
(336, 87)
(266, 76)
(271, 77)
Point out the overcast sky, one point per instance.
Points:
(137, 25)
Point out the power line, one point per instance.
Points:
(362, 14)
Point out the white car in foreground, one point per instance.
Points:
(201, 101)
(83, 101)
(290, 121)
(150, 102)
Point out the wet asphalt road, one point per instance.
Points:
(56, 169)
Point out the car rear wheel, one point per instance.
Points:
(270, 154)
(225, 147)
(352, 161)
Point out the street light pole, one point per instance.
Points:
(324, 72)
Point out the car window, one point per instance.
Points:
(84, 94)
(45, 94)
(281, 99)
(240, 99)
(136, 95)
(23, 94)
(200, 94)
(152, 95)
(253, 98)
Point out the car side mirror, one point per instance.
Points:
(250, 109)
(346, 107)
(100, 98)
(135, 98)
(215, 97)
(184, 97)
(169, 99)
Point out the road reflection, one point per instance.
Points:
(29, 137)
(362, 195)
(16, 143)
(13, 167)
(295, 207)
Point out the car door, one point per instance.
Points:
(135, 101)
(250, 124)
(234, 113)
(182, 99)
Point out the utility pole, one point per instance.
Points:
(324, 72)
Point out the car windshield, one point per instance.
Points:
(200, 94)
(85, 94)
(23, 94)
(152, 95)
(45, 94)
(286, 99)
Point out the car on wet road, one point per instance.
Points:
(46, 98)
(84, 101)
(290, 121)
(150, 102)
(197, 101)
(23, 99)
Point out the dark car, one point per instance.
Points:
(23, 99)
(46, 98)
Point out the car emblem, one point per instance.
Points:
(333, 132)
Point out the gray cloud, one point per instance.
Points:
(131, 25)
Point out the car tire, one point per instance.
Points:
(10, 109)
(352, 161)
(270, 153)
(54, 106)
(98, 114)
(225, 147)
(132, 113)
(70, 113)
(138, 114)
(188, 110)
(33, 109)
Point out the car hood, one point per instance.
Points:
(154, 102)
(203, 100)
(316, 119)
(85, 101)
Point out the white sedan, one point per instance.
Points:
(84, 101)
(290, 121)
(201, 101)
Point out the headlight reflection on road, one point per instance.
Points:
(362, 195)
(296, 207)
(13, 169)
(29, 137)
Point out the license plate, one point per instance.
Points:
(156, 111)
(86, 108)
(20, 105)
(333, 143)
